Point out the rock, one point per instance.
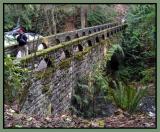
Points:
(146, 124)
(12, 111)
(29, 119)
(68, 119)
(48, 119)
(151, 114)
(118, 112)
(126, 114)
(93, 124)
(147, 104)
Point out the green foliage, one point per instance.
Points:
(27, 14)
(147, 75)
(127, 97)
(102, 14)
(123, 74)
(65, 64)
(14, 79)
(86, 91)
(96, 18)
(99, 82)
(139, 41)
(82, 99)
(115, 49)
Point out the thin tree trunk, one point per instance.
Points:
(48, 25)
(53, 19)
(83, 22)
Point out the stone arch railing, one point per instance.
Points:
(57, 68)
(45, 42)
(71, 45)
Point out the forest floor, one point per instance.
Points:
(120, 119)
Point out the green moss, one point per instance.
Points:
(41, 53)
(64, 64)
(52, 61)
(87, 50)
(79, 56)
(103, 42)
(45, 89)
(23, 94)
(44, 74)
(49, 93)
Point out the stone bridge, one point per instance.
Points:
(65, 58)
(45, 42)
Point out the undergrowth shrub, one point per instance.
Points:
(147, 75)
(82, 99)
(127, 97)
(15, 79)
(86, 91)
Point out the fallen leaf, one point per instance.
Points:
(29, 119)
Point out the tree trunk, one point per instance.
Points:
(83, 19)
(53, 19)
(69, 24)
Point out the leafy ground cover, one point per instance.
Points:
(119, 119)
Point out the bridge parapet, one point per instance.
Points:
(67, 49)
(52, 40)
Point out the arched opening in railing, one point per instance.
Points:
(68, 38)
(67, 54)
(103, 37)
(48, 61)
(41, 46)
(43, 64)
(95, 30)
(115, 31)
(97, 39)
(89, 32)
(107, 34)
(111, 33)
(83, 34)
(23, 51)
(99, 29)
(57, 41)
(89, 43)
(80, 48)
(76, 36)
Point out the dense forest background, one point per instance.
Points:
(60, 17)
(135, 56)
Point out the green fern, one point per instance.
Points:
(127, 97)
(116, 48)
